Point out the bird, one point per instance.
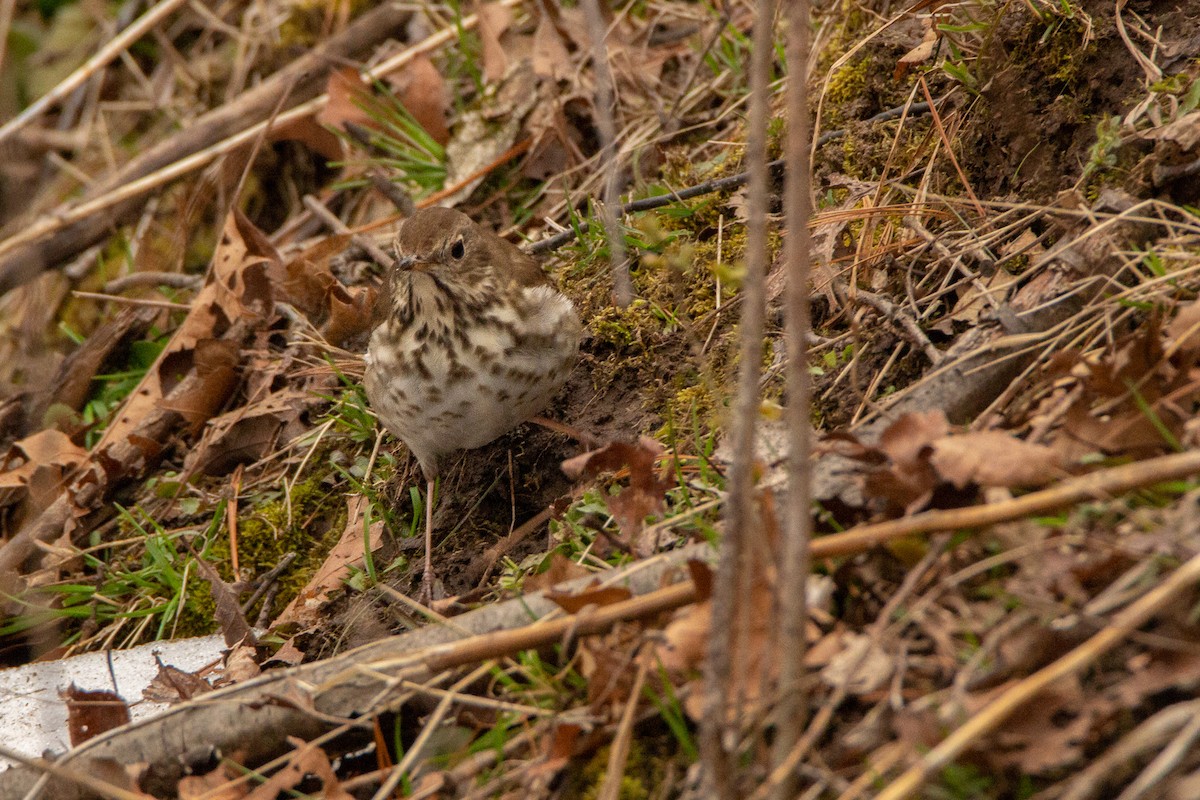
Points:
(471, 339)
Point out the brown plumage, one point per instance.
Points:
(472, 341)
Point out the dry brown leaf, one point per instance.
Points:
(220, 784)
(249, 432)
(91, 713)
(550, 58)
(36, 466)
(645, 493)
(124, 776)
(554, 139)
(172, 685)
(306, 280)
(1148, 674)
(494, 20)
(215, 363)
(558, 749)
(979, 297)
(1183, 332)
(918, 453)
(1049, 733)
(608, 666)
(575, 602)
(422, 90)
(308, 760)
(241, 665)
(1183, 132)
(919, 54)
(288, 654)
(351, 313)
(228, 611)
(994, 458)
(238, 289)
(898, 468)
(561, 569)
(685, 639)
(485, 134)
(308, 131)
(347, 97)
(906, 440)
(861, 666)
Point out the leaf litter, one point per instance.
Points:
(1088, 304)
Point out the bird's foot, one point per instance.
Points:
(425, 596)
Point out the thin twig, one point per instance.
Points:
(606, 126)
(176, 280)
(329, 218)
(154, 15)
(618, 755)
(79, 777)
(717, 185)
(903, 321)
(6, 15)
(734, 570)
(133, 301)
(1095, 485)
(995, 713)
(791, 589)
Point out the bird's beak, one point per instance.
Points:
(406, 263)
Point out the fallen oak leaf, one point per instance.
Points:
(351, 312)
(220, 784)
(172, 685)
(348, 96)
(215, 364)
(306, 280)
(550, 57)
(574, 602)
(921, 53)
(994, 458)
(646, 491)
(560, 570)
(247, 433)
(36, 465)
(307, 760)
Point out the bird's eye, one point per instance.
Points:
(458, 249)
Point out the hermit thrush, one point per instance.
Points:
(472, 341)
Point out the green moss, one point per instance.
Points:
(623, 329)
(308, 22)
(636, 781)
(846, 85)
(266, 532)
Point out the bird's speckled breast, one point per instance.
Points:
(458, 374)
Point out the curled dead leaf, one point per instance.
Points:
(645, 493)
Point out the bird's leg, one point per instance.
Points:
(426, 596)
